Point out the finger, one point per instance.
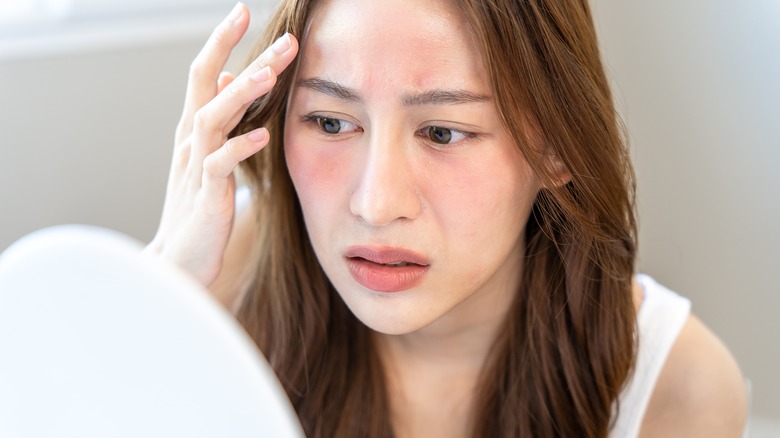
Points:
(210, 61)
(278, 56)
(225, 78)
(209, 130)
(219, 165)
(244, 89)
(184, 128)
(217, 118)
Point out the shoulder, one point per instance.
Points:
(700, 391)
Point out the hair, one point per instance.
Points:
(568, 343)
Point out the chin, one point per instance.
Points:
(389, 318)
(391, 327)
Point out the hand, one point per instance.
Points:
(199, 202)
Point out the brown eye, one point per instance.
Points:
(440, 135)
(445, 136)
(331, 126)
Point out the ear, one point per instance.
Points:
(558, 172)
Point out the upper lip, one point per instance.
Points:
(386, 255)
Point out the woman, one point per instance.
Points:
(441, 237)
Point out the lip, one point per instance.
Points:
(367, 266)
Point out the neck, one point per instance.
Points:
(432, 373)
(455, 346)
(462, 341)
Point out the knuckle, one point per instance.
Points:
(264, 60)
(230, 149)
(220, 34)
(233, 88)
(211, 165)
(201, 119)
(182, 152)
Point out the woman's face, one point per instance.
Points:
(414, 196)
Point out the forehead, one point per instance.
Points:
(371, 44)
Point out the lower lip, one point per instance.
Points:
(383, 278)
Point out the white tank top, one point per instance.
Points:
(660, 319)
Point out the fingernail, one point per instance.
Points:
(257, 135)
(235, 14)
(262, 75)
(282, 44)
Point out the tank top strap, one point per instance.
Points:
(661, 317)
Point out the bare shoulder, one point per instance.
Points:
(700, 392)
(240, 257)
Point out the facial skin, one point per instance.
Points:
(378, 180)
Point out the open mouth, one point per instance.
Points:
(395, 265)
(386, 256)
(390, 265)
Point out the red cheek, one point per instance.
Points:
(316, 171)
(454, 182)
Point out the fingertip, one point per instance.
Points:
(258, 135)
(237, 13)
(292, 51)
(282, 44)
(293, 44)
(293, 41)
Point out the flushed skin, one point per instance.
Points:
(382, 182)
(534, 333)
(565, 273)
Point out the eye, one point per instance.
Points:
(331, 125)
(440, 135)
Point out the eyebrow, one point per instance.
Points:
(429, 97)
(443, 97)
(330, 88)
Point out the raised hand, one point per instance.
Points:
(199, 202)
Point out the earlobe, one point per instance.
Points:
(558, 173)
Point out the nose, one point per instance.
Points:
(386, 189)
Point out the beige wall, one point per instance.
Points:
(86, 138)
(697, 82)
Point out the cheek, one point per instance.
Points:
(317, 174)
(483, 196)
(483, 212)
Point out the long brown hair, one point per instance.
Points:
(568, 344)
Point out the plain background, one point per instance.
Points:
(86, 133)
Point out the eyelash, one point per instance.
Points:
(318, 119)
(424, 132)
